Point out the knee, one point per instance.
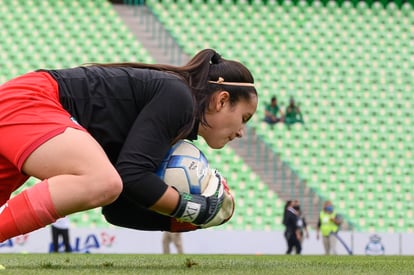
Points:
(106, 188)
(112, 188)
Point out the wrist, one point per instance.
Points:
(168, 202)
(190, 208)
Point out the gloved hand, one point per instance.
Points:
(213, 207)
(226, 210)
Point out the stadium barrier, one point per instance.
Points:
(118, 240)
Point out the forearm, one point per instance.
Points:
(167, 203)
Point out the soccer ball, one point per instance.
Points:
(185, 167)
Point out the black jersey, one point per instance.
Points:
(134, 114)
(291, 221)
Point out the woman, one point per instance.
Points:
(90, 133)
(292, 229)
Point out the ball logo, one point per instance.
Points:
(185, 167)
(193, 165)
(200, 170)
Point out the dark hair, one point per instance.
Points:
(207, 65)
(288, 202)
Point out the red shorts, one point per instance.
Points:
(30, 114)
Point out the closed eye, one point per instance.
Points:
(247, 118)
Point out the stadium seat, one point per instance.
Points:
(339, 59)
(55, 34)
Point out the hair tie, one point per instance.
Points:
(221, 81)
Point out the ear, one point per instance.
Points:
(221, 99)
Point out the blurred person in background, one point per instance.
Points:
(293, 114)
(273, 113)
(302, 225)
(292, 231)
(175, 239)
(328, 226)
(285, 212)
(287, 205)
(60, 228)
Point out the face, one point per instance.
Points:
(328, 207)
(226, 122)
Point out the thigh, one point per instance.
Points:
(291, 239)
(332, 240)
(65, 234)
(30, 114)
(39, 137)
(326, 242)
(177, 239)
(55, 234)
(79, 174)
(72, 152)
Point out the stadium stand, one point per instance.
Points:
(55, 34)
(64, 33)
(348, 63)
(78, 32)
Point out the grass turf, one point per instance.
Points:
(202, 264)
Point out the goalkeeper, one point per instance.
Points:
(94, 135)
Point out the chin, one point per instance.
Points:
(219, 146)
(216, 145)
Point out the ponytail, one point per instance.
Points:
(206, 73)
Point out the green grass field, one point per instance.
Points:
(202, 264)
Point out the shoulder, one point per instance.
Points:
(171, 88)
(113, 73)
(159, 85)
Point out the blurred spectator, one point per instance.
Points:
(273, 113)
(287, 205)
(172, 237)
(302, 225)
(328, 226)
(293, 114)
(292, 231)
(60, 228)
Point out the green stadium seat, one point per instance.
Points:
(337, 57)
(407, 9)
(55, 34)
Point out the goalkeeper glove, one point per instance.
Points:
(213, 207)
